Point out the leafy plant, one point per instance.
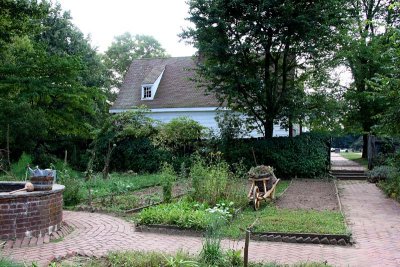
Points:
(189, 215)
(180, 134)
(19, 168)
(169, 177)
(73, 193)
(209, 181)
(391, 186)
(234, 257)
(381, 173)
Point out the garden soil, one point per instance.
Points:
(310, 195)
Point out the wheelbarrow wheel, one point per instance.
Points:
(256, 200)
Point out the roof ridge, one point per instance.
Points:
(151, 58)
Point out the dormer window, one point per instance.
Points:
(146, 92)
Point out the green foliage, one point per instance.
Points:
(249, 52)
(381, 173)
(272, 219)
(131, 132)
(234, 257)
(119, 202)
(189, 215)
(73, 192)
(209, 182)
(20, 167)
(179, 135)
(50, 81)
(386, 85)
(8, 263)
(232, 125)
(305, 155)
(135, 259)
(366, 48)
(391, 186)
(169, 176)
(121, 183)
(211, 253)
(125, 48)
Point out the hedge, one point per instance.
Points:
(306, 155)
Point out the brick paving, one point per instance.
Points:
(374, 221)
(341, 163)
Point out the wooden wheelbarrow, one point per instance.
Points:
(258, 190)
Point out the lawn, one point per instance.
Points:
(356, 157)
(272, 219)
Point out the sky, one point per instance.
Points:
(104, 19)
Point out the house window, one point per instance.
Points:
(146, 92)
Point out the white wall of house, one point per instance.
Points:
(204, 116)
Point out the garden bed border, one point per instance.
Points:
(308, 238)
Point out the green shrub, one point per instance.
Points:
(209, 181)
(305, 155)
(73, 192)
(179, 135)
(211, 253)
(169, 177)
(381, 173)
(18, 169)
(213, 182)
(234, 257)
(391, 186)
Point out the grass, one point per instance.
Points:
(120, 183)
(272, 219)
(8, 263)
(356, 157)
(268, 218)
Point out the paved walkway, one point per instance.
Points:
(341, 163)
(374, 221)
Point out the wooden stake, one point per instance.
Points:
(8, 147)
(254, 155)
(246, 249)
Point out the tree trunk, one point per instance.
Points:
(365, 146)
(290, 128)
(268, 129)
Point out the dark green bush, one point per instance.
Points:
(391, 186)
(303, 156)
(381, 173)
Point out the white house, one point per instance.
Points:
(165, 87)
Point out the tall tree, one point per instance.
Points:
(127, 47)
(250, 50)
(44, 74)
(362, 45)
(387, 85)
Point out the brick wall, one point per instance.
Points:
(30, 214)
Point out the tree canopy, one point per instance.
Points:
(50, 80)
(251, 51)
(127, 47)
(362, 45)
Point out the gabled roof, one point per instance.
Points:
(175, 90)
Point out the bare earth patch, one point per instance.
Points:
(309, 194)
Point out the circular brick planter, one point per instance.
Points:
(29, 214)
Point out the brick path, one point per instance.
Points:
(341, 163)
(374, 221)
